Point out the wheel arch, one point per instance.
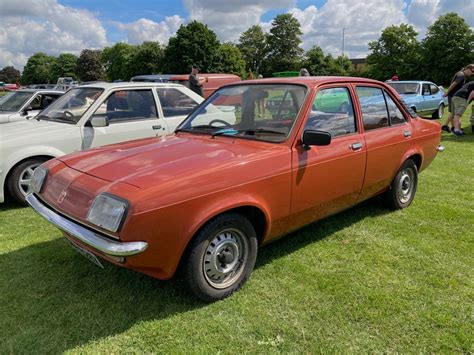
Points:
(17, 163)
(256, 214)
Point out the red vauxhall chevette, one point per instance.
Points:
(256, 160)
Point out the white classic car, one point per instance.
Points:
(85, 117)
(24, 104)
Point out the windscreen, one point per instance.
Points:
(262, 112)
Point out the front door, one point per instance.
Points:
(131, 114)
(327, 179)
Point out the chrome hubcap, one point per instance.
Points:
(25, 179)
(405, 186)
(225, 258)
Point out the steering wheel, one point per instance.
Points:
(68, 113)
(225, 123)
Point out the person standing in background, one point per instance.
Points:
(195, 84)
(458, 80)
(461, 99)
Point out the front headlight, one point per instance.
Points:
(38, 179)
(108, 212)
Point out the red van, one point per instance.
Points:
(213, 82)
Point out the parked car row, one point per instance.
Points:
(253, 162)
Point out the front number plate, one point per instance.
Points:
(87, 254)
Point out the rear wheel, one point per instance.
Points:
(403, 188)
(19, 180)
(438, 113)
(221, 257)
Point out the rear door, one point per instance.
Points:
(131, 114)
(176, 105)
(387, 136)
(329, 178)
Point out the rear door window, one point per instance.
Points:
(396, 116)
(373, 107)
(175, 103)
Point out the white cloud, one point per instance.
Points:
(229, 18)
(30, 26)
(362, 21)
(148, 30)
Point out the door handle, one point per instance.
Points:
(407, 134)
(356, 146)
(156, 127)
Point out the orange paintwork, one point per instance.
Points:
(177, 183)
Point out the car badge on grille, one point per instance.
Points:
(62, 196)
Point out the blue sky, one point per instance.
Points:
(68, 26)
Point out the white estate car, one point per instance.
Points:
(22, 104)
(85, 117)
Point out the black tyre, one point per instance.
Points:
(438, 113)
(19, 179)
(221, 257)
(403, 188)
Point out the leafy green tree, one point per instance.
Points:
(146, 59)
(316, 62)
(116, 61)
(38, 69)
(65, 65)
(254, 49)
(447, 47)
(397, 51)
(340, 66)
(10, 75)
(229, 60)
(89, 66)
(193, 43)
(284, 44)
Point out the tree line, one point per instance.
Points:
(447, 46)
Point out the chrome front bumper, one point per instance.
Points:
(440, 148)
(84, 235)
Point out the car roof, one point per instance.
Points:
(410, 82)
(308, 80)
(43, 91)
(127, 84)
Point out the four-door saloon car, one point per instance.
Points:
(89, 116)
(24, 104)
(206, 198)
(423, 97)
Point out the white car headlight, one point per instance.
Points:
(38, 179)
(108, 212)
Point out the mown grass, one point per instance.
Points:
(366, 280)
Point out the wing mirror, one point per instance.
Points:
(25, 110)
(313, 137)
(99, 121)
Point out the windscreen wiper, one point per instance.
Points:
(250, 131)
(39, 117)
(190, 129)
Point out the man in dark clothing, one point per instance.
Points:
(461, 99)
(195, 84)
(458, 80)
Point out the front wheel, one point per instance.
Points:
(221, 257)
(403, 188)
(19, 180)
(438, 113)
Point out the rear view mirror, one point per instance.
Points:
(313, 137)
(99, 121)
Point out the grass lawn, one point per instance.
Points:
(366, 280)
